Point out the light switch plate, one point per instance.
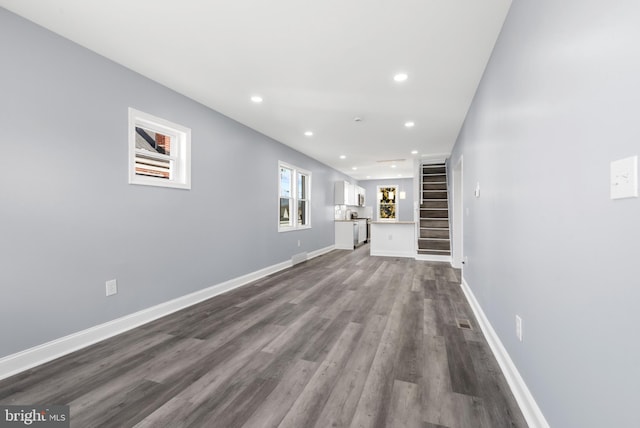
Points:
(112, 287)
(624, 178)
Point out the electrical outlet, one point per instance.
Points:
(624, 178)
(298, 242)
(112, 287)
(519, 328)
(390, 237)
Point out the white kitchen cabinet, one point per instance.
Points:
(344, 234)
(341, 193)
(350, 233)
(345, 193)
(351, 194)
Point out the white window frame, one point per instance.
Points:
(397, 196)
(180, 158)
(293, 215)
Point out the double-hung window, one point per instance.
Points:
(294, 197)
(159, 152)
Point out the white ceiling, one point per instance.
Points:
(317, 65)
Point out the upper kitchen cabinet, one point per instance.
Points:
(348, 194)
(345, 193)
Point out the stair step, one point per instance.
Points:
(434, 213)
(435, 186)
(434, 194)
(439, 178)
(434, 169)
(434, 233)
(435, 204)
(435, 252)
(433, 244)
(437, 223)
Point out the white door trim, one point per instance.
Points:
(457, 247)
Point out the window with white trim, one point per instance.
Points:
(387, 203)
(159, 151)
(294, 198)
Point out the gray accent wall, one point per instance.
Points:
(404, 206)
(69, 220)
(558, 102)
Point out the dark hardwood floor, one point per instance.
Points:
(343, 340)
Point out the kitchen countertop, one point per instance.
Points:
(354, 219)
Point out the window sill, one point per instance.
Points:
(293, 229)
(160, 183)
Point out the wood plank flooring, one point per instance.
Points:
(343, 340)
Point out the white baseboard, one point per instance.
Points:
(24, 360)
(528, 405)
(432, 258)
(392, 254)
(299, 258)
(320, 252)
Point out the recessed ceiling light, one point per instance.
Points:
(409, 124)
(308, 134)
(400, 77)
(414, 152)
(256, 99)
(343, 157)
(368, 176)
(393, 166)
(354, 168)
(399, 175)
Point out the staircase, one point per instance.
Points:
(433, 238)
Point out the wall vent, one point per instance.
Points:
(464, 324)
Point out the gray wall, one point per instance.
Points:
(69, 220)
(404, 207)
(558, 103)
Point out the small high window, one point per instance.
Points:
(294, 190)
(159, 152)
